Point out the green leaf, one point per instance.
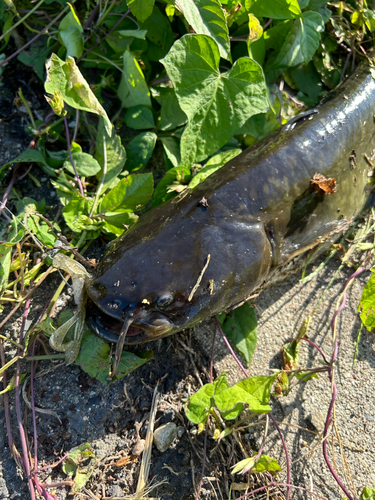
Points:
(171, 115)
(266, 463)
(141, 34)
(64, 189)
(116, 156)
(141, 9)
(94, 359)
(277, 9)
(241, 327)
(5, 261)
(255, 32)
(326, 14)
(12, 383)
(367, 303)
(159, 35)
(84, 163)
(80, 464)
(33, 156)
(253, 391)
(76, 214)
(207, 17)
(132, 192)
(36, 57)
(212, 165)
(70, 34)
(179, 176)
(300, 44)
(273, 35)
(210, 98)
(308, 80)
(290, 354)
(139, 150)
(367, 493)
(117, 222)
(66, 78)
(172, 150)
(329, 73)
(139, 117)
(243, 466)
(316, 4)
(201, 402)
(259, 126)
(34, 223)
(306, 375)
(42, 230)
(133, 90)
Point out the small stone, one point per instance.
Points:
(164, 436)
(180, 431)
(138, 447)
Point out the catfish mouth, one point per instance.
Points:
(147, 325)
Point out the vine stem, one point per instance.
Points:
(71, 157)
(22, 19)
(270, 414)
(312, 343)
(25, 458)
(104, 37)
(35, 37)
(262, 488)
(342, 303)
(101, 184)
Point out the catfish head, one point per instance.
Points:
(169, 272)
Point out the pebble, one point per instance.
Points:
(164, 436)
(138, 447)
(180, 431)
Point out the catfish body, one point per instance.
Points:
(208, 249)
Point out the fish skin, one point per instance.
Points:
(260, 215)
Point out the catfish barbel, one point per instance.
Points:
(209, 249)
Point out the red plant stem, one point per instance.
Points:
(55, 464)
(230, 348)
(71, 157)
(352, 277)
(24, 175)
(281, 484)
(270, 414)
(312, 343)
(6, 401)
(326, 427)
(25, 457)
(159, 80)
(104, 37)
(35, 37)
(286, 454)
(263, 440)
(92, 16)
(33, 412)
(57, 485)
(334, 387)
(268, 23)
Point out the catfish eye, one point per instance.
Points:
(165, 301)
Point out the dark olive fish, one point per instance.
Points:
(209, 249)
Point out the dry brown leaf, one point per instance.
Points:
(321, 185)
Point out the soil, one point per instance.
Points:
(114, 419)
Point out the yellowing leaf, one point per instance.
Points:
(65, 77)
